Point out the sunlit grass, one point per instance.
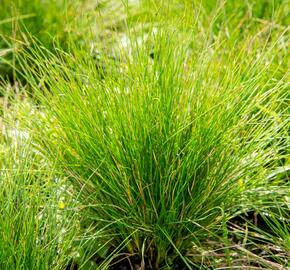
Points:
(166, 150)
(167, 138)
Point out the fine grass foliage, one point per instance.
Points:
(165, 150)
(37, 229)
(154, 135)
(50, 22)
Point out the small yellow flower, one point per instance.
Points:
(241, 183)
(61, 205)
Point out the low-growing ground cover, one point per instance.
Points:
(164, 145)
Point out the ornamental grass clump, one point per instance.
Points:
(163, 150)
